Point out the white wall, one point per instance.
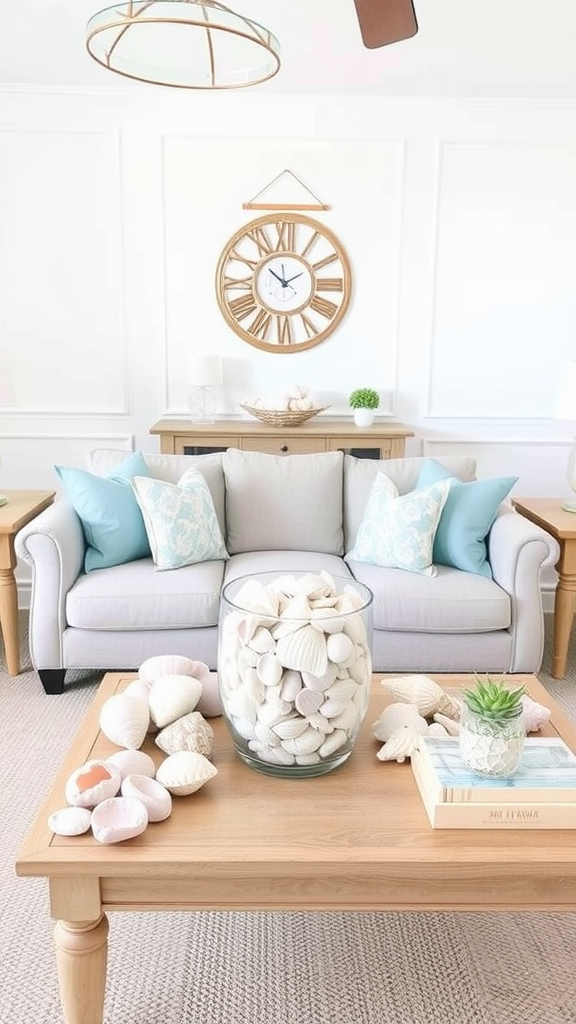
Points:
(459, 218)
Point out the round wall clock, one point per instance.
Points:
(283, 282)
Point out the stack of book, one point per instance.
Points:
(541, 794)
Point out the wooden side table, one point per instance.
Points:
(549, 514)
(21, 507)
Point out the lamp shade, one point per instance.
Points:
(188, 44)
(566, 397)
(206, 371)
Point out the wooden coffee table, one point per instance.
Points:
(355, 839)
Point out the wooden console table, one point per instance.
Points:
(180, 437)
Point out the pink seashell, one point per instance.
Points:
(95, 781)
(534, 715)
(167, 665)
(118, 819)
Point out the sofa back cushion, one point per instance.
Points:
(360, 474)
(170, 468)
(289, 502)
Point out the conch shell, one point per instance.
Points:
(425, 694)
(534, 715)
(398, 716)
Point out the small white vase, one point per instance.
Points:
(363, 417)
(491, 749)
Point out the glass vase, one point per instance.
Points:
(294, 669)
(490, 748)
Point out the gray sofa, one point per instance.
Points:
(297, 512)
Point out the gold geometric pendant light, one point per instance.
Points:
(187, 44)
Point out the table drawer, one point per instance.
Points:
(284, 444)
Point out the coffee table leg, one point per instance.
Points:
(9, 620)
(81, 948)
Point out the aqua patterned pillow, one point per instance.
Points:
(180, 520)
(397, 531)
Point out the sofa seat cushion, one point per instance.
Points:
(284, 561)
(451, 602)
(135, 596)
(289, 502)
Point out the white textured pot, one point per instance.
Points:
(363, 417)
(493, 750)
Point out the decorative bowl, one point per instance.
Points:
(283, 417)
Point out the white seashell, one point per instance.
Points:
(124, 719)
(210, 704)
(132, 762)
(138, 688)
(297, 607)
(170, 665)
(191, 732)
(308, 741)
(425, 693)
(288, 728)
(308, 701)
(291, 685)
(348, 719)
(304, 759)
(321, 724)
(265, 735)
(534, 715)
(276, 755)
(185, 772)
(70, 821)
(241, 704)
(173, 696)
(118, 819)
(257, 598)
(355, 628)
(400, 745)
(343, 688)
(269, 669)
(333, 707)
(156, 798)
(333, 742)
(451, 727)
(304, 651)
(397, 716)
(93, 782)
(436, 729)
(272, 711)
(339, 647)
(320, 682)
(262, 641)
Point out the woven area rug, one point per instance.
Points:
(265, 968)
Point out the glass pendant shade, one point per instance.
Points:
(187, 44)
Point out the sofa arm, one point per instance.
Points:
(518, 550)
(53, 546)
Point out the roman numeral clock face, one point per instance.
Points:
(283, 282)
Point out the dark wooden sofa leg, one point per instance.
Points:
(52, 679)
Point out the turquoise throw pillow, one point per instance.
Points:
(111, 520)
(466, 518)
(180, 519)
(397, 531)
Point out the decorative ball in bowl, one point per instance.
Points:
(282, 417)
(294, 669)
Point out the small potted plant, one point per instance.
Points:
(364, 401)
(492, 730)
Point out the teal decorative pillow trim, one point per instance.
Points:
(398, 531)
(111, 520)
(180, 520)
(466, 518)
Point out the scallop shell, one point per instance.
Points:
(452, 727)
(118, 819)
(191, 732)
(125, 719)
(70, 821)
(426, 694)
(173, 696)
(398, 716)
(95, 781)
(185, 772)
(155, 797)
(304, 651)
(400, 745)
(132, 762)
(170, 665)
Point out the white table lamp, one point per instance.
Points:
(205, 376)
(566, 410)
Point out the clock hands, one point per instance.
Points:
(294, 276)
(284, 281)
(281, 279)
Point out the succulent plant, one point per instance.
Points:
(494, 701)
(364, 398)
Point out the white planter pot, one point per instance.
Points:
(363, 417)
(491, 751)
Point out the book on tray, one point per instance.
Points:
(541, 794)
